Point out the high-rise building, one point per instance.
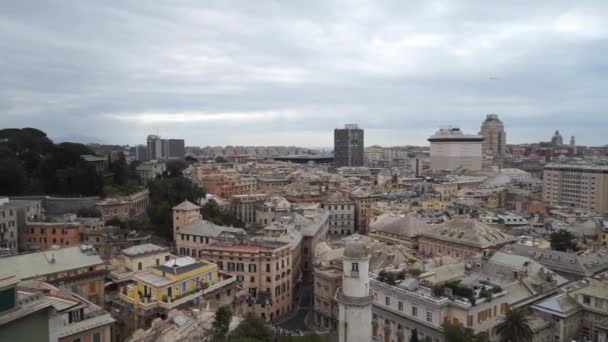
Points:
(451, 149)
(141, 153)
(582, 186)
(354, 298)
(155, 148)
(160, 149)
(348, 146)
(177, 148)
(495, 138)
(557, 139)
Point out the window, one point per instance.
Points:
(96, 337)
(355, 267)
(139, 266)
(414, 311)
(387, 300)
(400, 306)
(586, 300)
(157, 262)
(75, 316)
(184, 287)
(599, 303)
(429, 316)
(76, 340)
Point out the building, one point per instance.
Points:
(37, 311)
(14, 215)
(461, 238)
(557, 139)
(184, 214)
(192, 237)
(341, 213)
(124, 207)
(271, 183)
(244, 206)
(363, 200)
(162, 149)
(327, 280)
(475, 296)
(150, 170)
(176, 283)
(577, 185)
(399, 229)
(451, 149)
(272, 210)
(495, 138)
(140, 153)
(227, 186)
(354, 297)
(176, 149)
(110, 241)
(77, 268)
(579, 312)
(348, 146)
(44, 235)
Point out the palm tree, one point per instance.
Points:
(515, 327)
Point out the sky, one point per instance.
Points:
(289, 72)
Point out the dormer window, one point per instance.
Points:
(75, 316)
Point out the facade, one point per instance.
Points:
(177, 283)
(583, 186)
(273, 210)
(495, 138)
(162, 149)
(176, 149)
(110, 241)
(77, 268)
(244, 207)
(14, 215)
(150, 170)
(267, 184)
(124, 208)
(363, 213)
(184, 214)
(451, 149)
(327, 280)
(44, 235)
(341, 213)
(348, 146)
(398, 229)
(192, 237)
(226, 186)
(354, 297)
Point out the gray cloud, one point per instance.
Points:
(276, 72)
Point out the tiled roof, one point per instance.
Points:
(186, 205)
(143, 249)
(468, 232)
(209, 229)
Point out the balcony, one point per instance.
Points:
(121, 275)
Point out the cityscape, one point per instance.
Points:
(126, 216)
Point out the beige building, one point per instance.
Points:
(582, 186)
(184, 214)
(451, 149)
(150, 170)
(495, 138)
(243, 207)
(327, 280)
(125, 207)
(341, 213)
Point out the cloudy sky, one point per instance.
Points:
(289, 72)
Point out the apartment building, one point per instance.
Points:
(451, 149)
(244, 206)
(266, 270)
(226, 186)
(44, 235)
(341, 213)
(269, 183)
(124, 208)
(578, 185)
(13, 217)
(150, 170)
(176, 283)
(272, 210)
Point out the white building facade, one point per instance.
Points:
(451, 149)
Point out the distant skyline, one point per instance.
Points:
(288, 73)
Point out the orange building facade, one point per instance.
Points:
(44, 235)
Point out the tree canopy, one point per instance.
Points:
(562, 240)
(515, 327)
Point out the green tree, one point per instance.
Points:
(12, 177)
(88, 212)
(175, 168)
(252, 327)
(458, 333)
(211, 211)
(515, 327)
(221, 324)
(562, 240)
(120, 169)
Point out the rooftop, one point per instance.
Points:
(146, 248)
(468, 232)
(186, 206)
(27, 266)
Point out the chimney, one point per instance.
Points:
(52, 261)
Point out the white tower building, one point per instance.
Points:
(354, 298)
